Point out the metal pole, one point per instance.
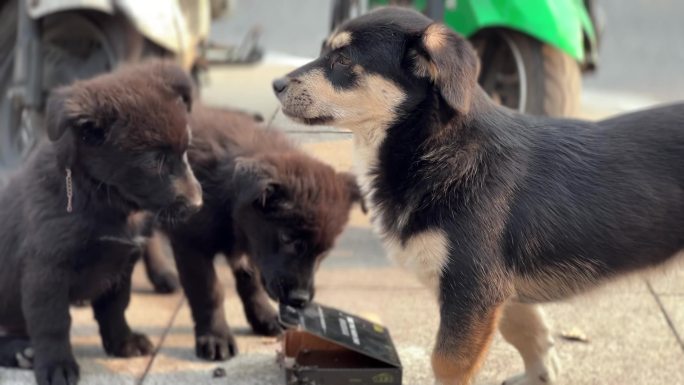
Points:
(435, 10)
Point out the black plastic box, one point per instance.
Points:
(326, 346)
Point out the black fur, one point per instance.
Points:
(266, 201)
(107, 131)
(533, 209)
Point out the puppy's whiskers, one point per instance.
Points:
(161, 165)
(273, 116)
(69, 190)
(109, 196)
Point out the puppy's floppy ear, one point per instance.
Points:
(180, 83)
(62, 114)
(56, 114)
(256, 184)
(355, 195)
(450, 62)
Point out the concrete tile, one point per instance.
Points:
(176, 362)
(674, 307)
(147, 313)
(668, 279)
(630, 343)
(629, 339)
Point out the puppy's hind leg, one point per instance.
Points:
(16, 352)
(524, 327)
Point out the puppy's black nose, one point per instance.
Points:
(280, 85)
(298, 298)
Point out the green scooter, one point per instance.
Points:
(533, 51)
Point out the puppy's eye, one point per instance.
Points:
(155, 162)
(285, 238)
(341, 61)
(91, 134)
(292, 244)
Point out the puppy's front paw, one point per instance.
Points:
(165, 282)
(216, 347)
(544, 372)
(265, 323)
(133, 345)
(57, 373)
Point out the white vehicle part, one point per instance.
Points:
(178, 26)
(40, 8)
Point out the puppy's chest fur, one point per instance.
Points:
(423, 253)
(106, 257)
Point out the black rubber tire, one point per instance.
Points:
(8, 36)
(341, 12)
(556, 82)
(555, 89)
(120, 43)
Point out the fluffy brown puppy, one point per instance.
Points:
(158, 261)
(68, 224)
(272, 210)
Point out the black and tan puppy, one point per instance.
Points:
(69, 229)
(272, 210)
(494, 210)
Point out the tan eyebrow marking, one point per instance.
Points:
(435, 37)
(339, 40)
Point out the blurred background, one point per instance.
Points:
(537, 55)
(588, 59)
(641, 52)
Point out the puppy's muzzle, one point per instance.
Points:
(188, 195)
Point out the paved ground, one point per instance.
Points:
(634, 328)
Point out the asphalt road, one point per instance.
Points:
(642, 51)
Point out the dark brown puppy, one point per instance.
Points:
(272, 210)
(158, 259)
(493, 210)
(69, 229)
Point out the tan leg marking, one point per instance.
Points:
(524, 327)
(459, 367)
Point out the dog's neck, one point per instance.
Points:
(430, 153)
(82, 192)
(415, 126)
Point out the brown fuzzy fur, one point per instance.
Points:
(264, 200)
